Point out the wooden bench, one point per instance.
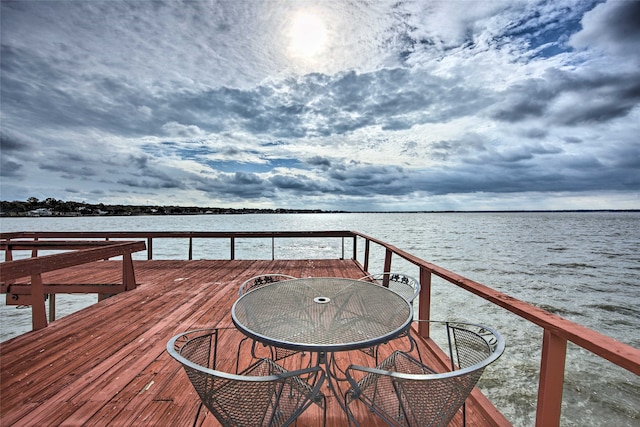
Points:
(78, 252)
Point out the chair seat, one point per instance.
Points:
(263, 394)
(405, 392)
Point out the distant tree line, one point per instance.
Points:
(53, 207)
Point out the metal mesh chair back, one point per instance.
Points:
(406, 392)
(404, 285)
(470, 344)
(264, 394)
(276, 353)
(261, 280)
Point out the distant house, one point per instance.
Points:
(40, 212)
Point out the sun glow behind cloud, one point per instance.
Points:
(307, 34)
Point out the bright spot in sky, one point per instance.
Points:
(308, 35)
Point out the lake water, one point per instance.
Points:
(582, 266)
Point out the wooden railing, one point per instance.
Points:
(77, 253)
(557, 331)
(190, 235)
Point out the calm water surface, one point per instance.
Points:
(582, 266)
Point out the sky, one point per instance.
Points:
(333, 105)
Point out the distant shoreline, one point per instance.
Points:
(51, 207)
(300, 212)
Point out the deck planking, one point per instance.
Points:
(107, 364)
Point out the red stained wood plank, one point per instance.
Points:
(107, 364)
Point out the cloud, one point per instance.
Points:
(410, 105)
(612, 26)
(571, 98)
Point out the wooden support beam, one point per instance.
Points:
(39, 312)
(128, 275)
(424, 301)
(554, 351)
(367, 245)
(387, 260)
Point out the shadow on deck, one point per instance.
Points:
(107, 364)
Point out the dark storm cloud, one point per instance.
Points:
(40, 90)
(469, 145)
(239, 185)
(323, 105)
(595, 97)
(612, 25)
(149, 184)
(323, 162)
(15, 149)
(361, 179)
(342, 104)
(69, 170)
(10, 168)
(301, 185)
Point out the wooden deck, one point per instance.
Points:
(107, 364)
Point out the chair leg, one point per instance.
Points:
(350, 418)
(242, 341)
(195, 421)
(464, 414)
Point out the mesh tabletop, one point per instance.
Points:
(322, 314)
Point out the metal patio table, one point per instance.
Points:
(322, 315)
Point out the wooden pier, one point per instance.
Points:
(107, 364)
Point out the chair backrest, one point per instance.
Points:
(406, 392)
(471, 345)
(261, 280)
(264, 394)
(401, 283)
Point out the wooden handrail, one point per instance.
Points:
(622, 355)
(25, 267)
(54, 245)
(557, 331)
(34, 267)
(150, 235)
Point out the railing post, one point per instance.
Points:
(355, 248)
(34, 252)
(387, 261)
(128, 275)
(8, 256)
(149, 248)
(424, 301)
(8, 253)
(273, 248)
(52, 307)
(38, 310)
(554, 352)
(367, 244)
(106, 239)
(190, 248)
(233, 248)
(342, 248)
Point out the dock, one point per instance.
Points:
(107, 364)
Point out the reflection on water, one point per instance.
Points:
(582, 266)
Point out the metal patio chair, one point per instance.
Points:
(276, 353)
(264, 394)
(261, 280)
(407, 286)
(403, 391)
